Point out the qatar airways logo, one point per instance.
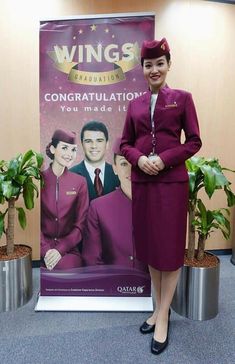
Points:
(117, 58)
(131, 290)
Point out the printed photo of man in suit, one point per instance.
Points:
(98, 173)
(108, 237)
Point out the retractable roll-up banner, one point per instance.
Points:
(89, 71)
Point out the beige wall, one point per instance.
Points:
(201, 35)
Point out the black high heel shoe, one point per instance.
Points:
(146, 328)
(157, 347)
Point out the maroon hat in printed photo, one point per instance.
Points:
(154, 48)
(64, 136)
(116, 146)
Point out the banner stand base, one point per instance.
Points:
(128, 304)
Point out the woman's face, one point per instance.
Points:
(64, 153)
(122, 168)
(155, 72)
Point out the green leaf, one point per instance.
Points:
(7, 189)
(2, 163)
(13, 167)
(192, 180)
(220, 178)
(16, 190)
(33, 159)
(21, 217)
(35, 189)
(210, 217)
(219, 217)
(195, 176)
(227, 225)
(26, 158)
(30, 182)
(28, 194)
(209, 180)
(224, 224)
(193, 164)
(230, 196)
(203, 213)
(39, 158)
(215, 220)
(31, 172)
(20, 179)
(2, 199)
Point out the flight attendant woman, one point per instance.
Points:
(151, 142)
(64, 205)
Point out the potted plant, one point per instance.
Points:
(17, 179)
(197, 292)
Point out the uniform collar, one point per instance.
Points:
(162, 93)
(50, 171)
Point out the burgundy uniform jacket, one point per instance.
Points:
(174, 112)
(64, 205)
(109, 238)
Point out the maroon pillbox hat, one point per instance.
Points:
(116, 146)
(154, 48)
(65, 136)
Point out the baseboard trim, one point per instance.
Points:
(221, 251)
(36, 263)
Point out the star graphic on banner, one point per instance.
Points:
(80, 31)
(93, 27)
(106, 30)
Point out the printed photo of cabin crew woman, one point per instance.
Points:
(64, 205)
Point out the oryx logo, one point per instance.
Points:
(140, 289)
(130, 289)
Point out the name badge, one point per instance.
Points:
(171, 105)
(69, 193)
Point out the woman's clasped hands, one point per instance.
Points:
(51, 258)
(151, 167)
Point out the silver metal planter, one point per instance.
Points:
(197, 293)
(15, 283)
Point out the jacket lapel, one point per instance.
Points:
(90, 185)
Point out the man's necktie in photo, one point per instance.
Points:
(97, 183)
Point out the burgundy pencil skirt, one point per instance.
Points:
(159, 213)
